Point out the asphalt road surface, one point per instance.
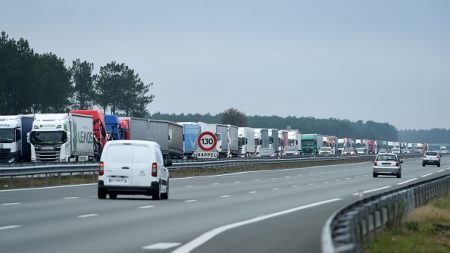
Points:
(264, 211)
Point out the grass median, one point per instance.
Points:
(425, 229)
(56, 180)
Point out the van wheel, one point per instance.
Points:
(157, 195)
(101, 194)
(399, 175)
(375, 174)
(439, 164)
(113, 195)
(166, 194)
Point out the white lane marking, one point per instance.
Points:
(237, 182)
(161, 246)
(407, 181)
(11, 204)
(373, 190)
(274, 178)
(325, 182)
(426, 175)
(275, 189)
(90, 215)
(347, 178)
(190, 201)
(9, 227)
(189, 186)
(146, 207)
(215, 183)
(253, 192)
(190, 246)
(294, 186)
(311, 184)
(439, 171)
(70, 198)
(225, 196)
(47, 188)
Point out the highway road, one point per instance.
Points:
(265, 211)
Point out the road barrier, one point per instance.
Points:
(353, 226)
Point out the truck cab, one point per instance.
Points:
(13, 138)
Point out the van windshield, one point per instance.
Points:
(48, 138)
(7, 135)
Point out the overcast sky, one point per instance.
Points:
(383, 60)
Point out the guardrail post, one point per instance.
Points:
(46, 179)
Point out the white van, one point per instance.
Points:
(133, 167)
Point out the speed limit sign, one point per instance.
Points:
(207, 141)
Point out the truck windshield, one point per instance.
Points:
(7, 135)
(308, 143)
(48, 138)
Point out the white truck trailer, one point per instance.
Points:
(246, 139)
(62, 137)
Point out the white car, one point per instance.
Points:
(431, 158)
(325, 151)
(387, 164)
(349, 151)
(133, 167)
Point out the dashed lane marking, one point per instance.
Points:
(90, 215)
(407, 181)
(161, 246)
(9, 227)
(11, 204)
(146, 207)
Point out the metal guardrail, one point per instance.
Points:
(347, 230)
(38, 169)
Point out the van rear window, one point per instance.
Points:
(119, 153)
(142, 154)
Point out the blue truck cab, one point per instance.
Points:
(113, 127)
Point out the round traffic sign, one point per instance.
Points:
(207, 141)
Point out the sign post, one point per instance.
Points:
(207, 142)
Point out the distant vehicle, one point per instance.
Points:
(431, 158)
(443, 149)
(191, 131)
(246, 140)
(325, 151)
(125, 127)
(167, 134)
(269, 144)
(62, 137)
(349, 151)
(233, 141)
(133, 167)
(291, 142)
(311, 143)
(13, 138)
(361, 146)
(396, 150)
(113, 127)
(387, 164)
(99, 127)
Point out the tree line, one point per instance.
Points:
(41, 83)
(337, 127)
(436, 136)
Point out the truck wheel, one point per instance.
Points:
(101, 194)
(166, 194)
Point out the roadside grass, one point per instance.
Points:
(426, 229)
(55, 180)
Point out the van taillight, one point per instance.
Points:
(375, 163)
(154, 170)
(102, 171)
(397, 164)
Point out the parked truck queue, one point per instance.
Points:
(81, 135)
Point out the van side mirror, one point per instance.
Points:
(168, 163)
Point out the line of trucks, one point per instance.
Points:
(80, 135)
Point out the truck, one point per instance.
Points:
(113, 128)
(223, 141)
(233, 142)
(361, 146)
(291, 142)
(331, 142)
(191, 131)
(62, 137)
(246, 141)
(269, 144)
(167, 134)
(13, 138)
(311, 143)
(372, 147)
(99, 127)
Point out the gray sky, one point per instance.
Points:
(383, 60)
